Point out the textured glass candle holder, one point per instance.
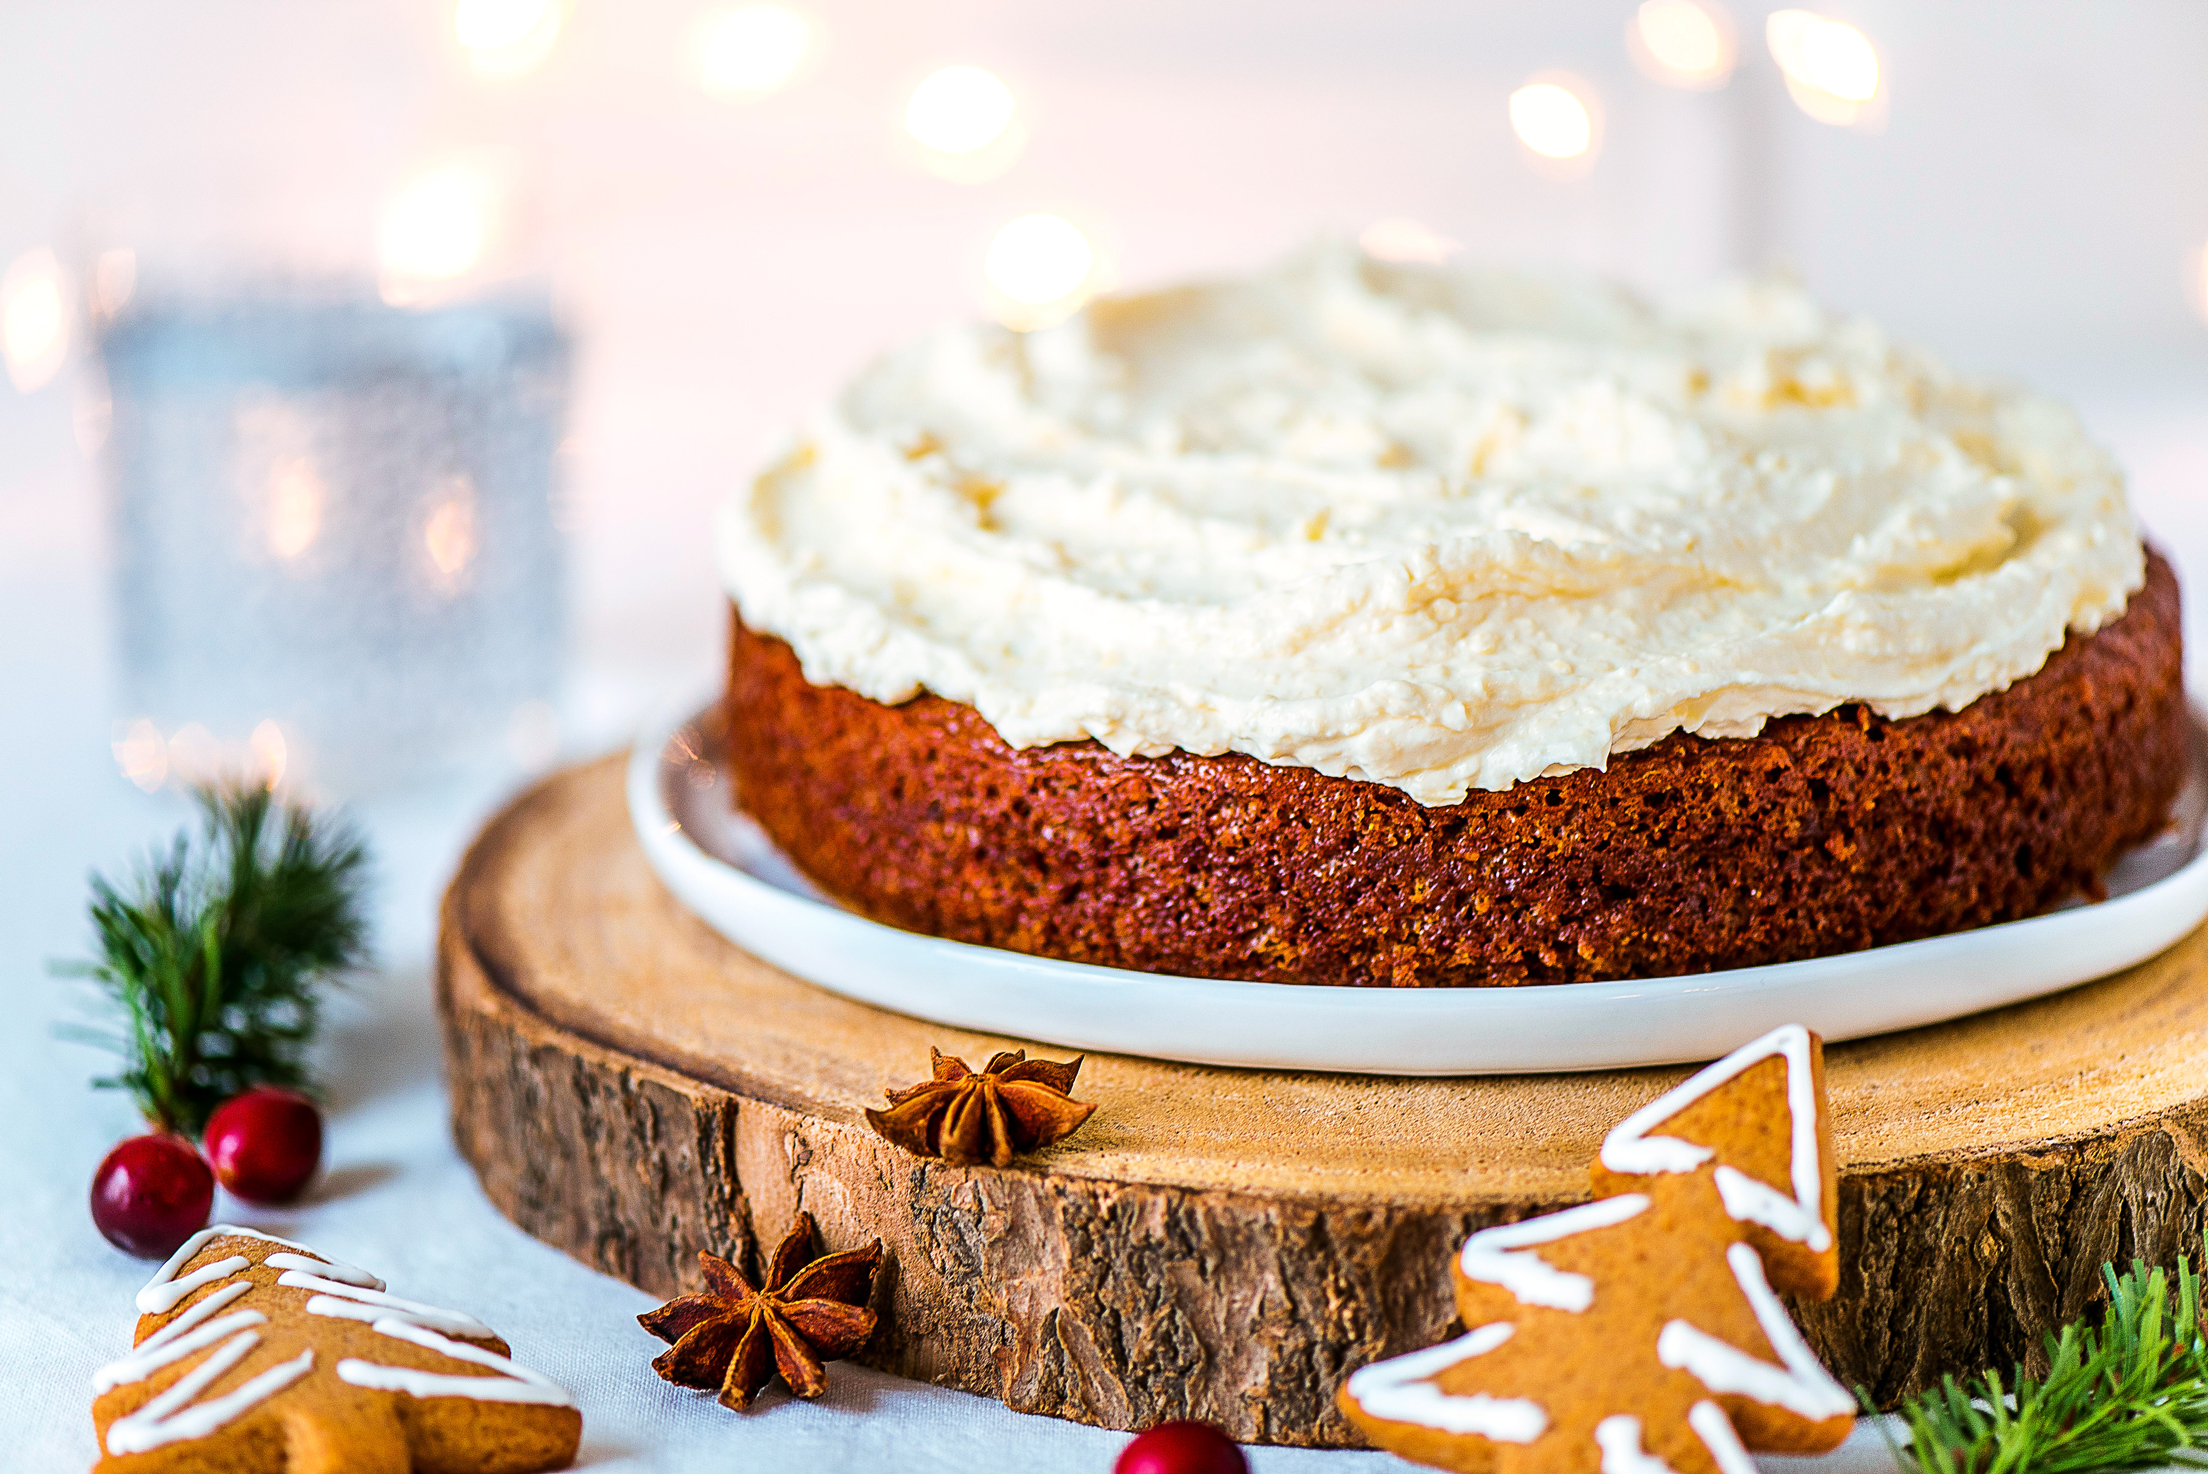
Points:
(334, 537)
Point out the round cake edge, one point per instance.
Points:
(1820, 835)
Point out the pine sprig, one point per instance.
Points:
(2130, 1394)
(213, 960)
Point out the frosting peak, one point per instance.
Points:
(1437, 528)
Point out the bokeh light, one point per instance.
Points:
(196, 756)
(2196, 281)
(114, 279)
(963, 124)
(506, 38)
(753, 51)
(268, 753)
(34, 319)
(436, 228)
(1039, 258)
(959, 109)
(1555, 118)
(1040, 269)
(295, 499)
(1399, 238)
(1831, 69)
(142, 753)
(449, 534)
(1682, 43)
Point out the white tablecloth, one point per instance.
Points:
(396, 1198)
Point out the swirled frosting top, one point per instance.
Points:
(1435, 528)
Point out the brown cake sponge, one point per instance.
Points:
(1821, 835)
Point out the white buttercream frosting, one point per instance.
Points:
(1436, 528)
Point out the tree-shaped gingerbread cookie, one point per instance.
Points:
(256, 1355)
(1642, 1333)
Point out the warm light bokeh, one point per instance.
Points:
(1682, 43)
(143, 754)
(753, 51)
(114, 279)
(1040, 269)
(269, 753)
(34, 319)
(1555, 119)
(436, 228)
(1398, 238)
(959, 109)
(1039, 258)
(506, 38)
(1831, 70)
(449, 535)
(295, 500)
(196, 756)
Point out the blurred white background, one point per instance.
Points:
(733, 210)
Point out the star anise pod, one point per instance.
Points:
(1013, 1104)
(732, 1338)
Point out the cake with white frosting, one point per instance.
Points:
(1383, 624)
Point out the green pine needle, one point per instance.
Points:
(213, 961)
(2130, 1394)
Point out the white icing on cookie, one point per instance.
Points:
(187, 1249)
(159, 1297)
(1619, 1438)
(1401, 1390)
(345, 1291)
(192, 1317)
(153, 1355)
(1801, 1386)
(1716, 1431)
(177, 1414)
(165, 1291)
(1498, 1256)
(1750, 1200)
(336, 1269)
(355, 1303)
(1630, 1149)
(515, 1384)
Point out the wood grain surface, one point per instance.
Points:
(1228, 1244)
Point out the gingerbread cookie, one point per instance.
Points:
(254, 1353)
(1642, 1333)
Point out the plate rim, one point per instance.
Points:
(686, 866)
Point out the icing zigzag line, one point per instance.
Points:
(176, 1413)
(1631, 1150)
(1400, 1391)
(1503, 1256)
(516, 1383)
(1801, 1386)
(341, 1290)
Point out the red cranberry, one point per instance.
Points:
(265, 1143)
(151, 1194)
(1181, 1448)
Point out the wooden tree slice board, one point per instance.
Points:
(1229, 1244)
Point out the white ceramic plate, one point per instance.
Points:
(723, 867)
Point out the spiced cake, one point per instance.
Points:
(1411, 626)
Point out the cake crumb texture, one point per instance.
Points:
(1823, 834)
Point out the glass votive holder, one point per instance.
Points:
(333, 523)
